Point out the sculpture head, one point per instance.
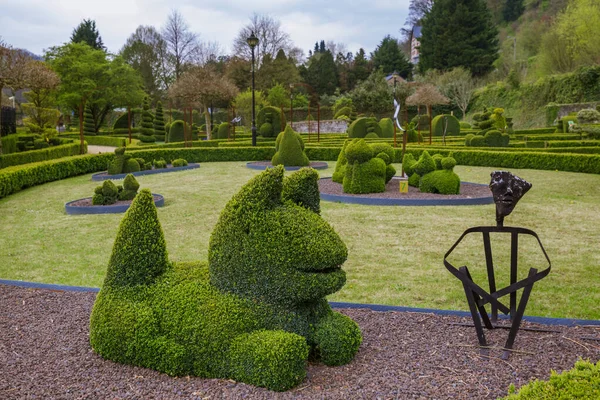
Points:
(271, 244)
(507, 190)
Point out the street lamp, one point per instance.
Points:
(252, 42)
(13, 100)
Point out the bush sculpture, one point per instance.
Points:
(432, 174)
(176, 132)
(124, 163)
(270, 121)
(289, 150)
(109, 193)
(147, 129)
(255, 319)
(89, 128)
(159, 123)
(364, 168)
(364, 127)
(492, 138)
(445, 123)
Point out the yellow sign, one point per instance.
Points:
(403, 186)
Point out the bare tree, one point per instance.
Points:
(336, 48)
(458, 85)
(416, 11)
(206, 52)
(181, 42)
(271, 38)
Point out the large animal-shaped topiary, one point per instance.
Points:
(289, 150)
(432, 174)
(253, 313)
(363, 167)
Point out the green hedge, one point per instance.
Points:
(32, 156)
(13, 179)
(207, 154)
(534, 131)
(9, 144)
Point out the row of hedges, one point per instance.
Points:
(33, 156)
(13, 179)
(103, 140)
(197, 155)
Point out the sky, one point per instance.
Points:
(39, 24)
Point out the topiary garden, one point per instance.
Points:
(432, 174)
(253, 319)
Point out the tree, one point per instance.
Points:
(458, 86)
(428, 95)
(86, 32)
(416, 11)
(360, 70)
(159, 122)
(279, 70)
(12, 70)
(458, 33)
(279, 96)
(42, 83)
(271, 38)
(200, 86)
(238, 71)
(373, 94)
(321, 73)
(243, 105)
(389, 58)
(146, 51)
(512, 10)
(182, 44)
(89, 78)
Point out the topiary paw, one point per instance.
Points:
(337, 339)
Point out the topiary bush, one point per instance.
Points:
(495, 138)
(147, 129)
(105, 194)
(256, 319)
(361, 127)
(432, 174)
(223, 131)
(464, 125)
(289, 150)
(89, 128)
(588, 116)
(160, 130)
(364, 172)
(386, 126)
(130, 188)
(180, 162)
(344, 112)
(176, 133)
(273, 116)
(387, 154)
(445, 121)
(421, 122)
(159, 163)
(340, 165)
(581, 382)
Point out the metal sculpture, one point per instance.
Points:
(507, 190)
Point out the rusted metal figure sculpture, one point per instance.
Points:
(507, 189)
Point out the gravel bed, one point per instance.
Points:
(87, 202)
(45, 354)
(392, 191)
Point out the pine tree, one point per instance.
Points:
(322, 73)
(360, 69)
(86, 32)
(159, 123)
(512, 10)
(147, 129)
(390, 58)
(89, 128)
(458, 33)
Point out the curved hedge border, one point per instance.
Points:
(103, 176)
(50, 153)
(71, 209)
(114, 141)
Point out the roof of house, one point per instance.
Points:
(416, 31)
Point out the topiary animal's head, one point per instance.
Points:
(358, 151)
(271, 244)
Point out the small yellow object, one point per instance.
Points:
(403, 185)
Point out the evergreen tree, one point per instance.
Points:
(512, 10)
(322, 73)
(147, 129)
(458, 33)
(360, 69)
(89, 128)
(86, 32)
(322, 47)
(389, 58)
(159, 122)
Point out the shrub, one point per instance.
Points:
(273, 116)
(340, 166)
(289, 150)
(130, 165)
(302, 188)
(421, 122)
(147, 129)
(581, 382)
(223, 131)
(158, 164)
(25, 157)
(9, 144)
(464, 125)
(449, 122)
(105, 194)
(588, 116)
(176, 133)
(468, 139)
(495, 138)
(89, 128)
(40, 144)
(364, 173)
(160, 130)
(180, 162)
(371, 135)
(337, 346)
(477, 141)
(425, 164)
(343, 112)
(130, 188)
(440, 181)
(361, 127)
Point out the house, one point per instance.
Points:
(415, 36)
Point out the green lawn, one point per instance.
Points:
(395, 253)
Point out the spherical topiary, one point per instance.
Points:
(387, 127)
(289, 150)
(448, 163)
(478, 141)
(274, 116)
(180, 162)
(445, 121)
(333, 349)
(176, 133)
(266, 130)
(371, 135)
(131, 165)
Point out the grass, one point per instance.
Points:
(395, 253)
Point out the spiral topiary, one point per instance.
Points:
(147, 129)
(159, 123)
(89, 128)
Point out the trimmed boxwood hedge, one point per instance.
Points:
(32, 156)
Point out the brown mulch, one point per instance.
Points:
(392, 191)
(45, 354)
(87, 202)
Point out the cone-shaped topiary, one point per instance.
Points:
(340, 166)
(89, 128)
(139, 255)
(159, 123)
(289, 150)
(147, 129)
(176, 133)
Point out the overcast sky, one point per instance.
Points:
(39, 24)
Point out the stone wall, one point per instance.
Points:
(327, 126)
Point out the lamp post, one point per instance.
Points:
(252, 42)
(13, 100)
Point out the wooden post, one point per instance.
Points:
(429, 111)
(308, 119)
(318, 122)
(81, 145)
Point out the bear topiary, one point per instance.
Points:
(445, 121)
(387, 127)
(251, 318)
(364, 172)
(176, 133)
(273, 116)
(432, 174)
(289, 150)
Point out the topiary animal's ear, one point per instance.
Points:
(302, 188)
(260, 193)
(139, 255)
